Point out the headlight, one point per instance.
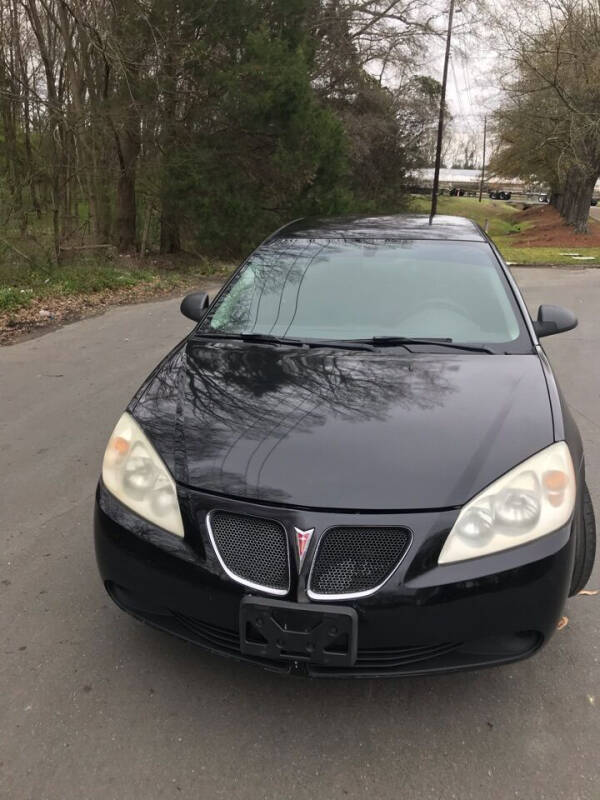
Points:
(133, 471)
(530, 501)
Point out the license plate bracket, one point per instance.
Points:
(319, 634)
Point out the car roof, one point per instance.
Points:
(396, 226)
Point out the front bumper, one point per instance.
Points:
(425, 619)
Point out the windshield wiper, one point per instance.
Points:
(342, 344)
(267, 338)
(400, 341)
(264, 338)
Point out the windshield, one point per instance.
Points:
(342, 289)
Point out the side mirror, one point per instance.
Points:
(554, 319)
(194, 305)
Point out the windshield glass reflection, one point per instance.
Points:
(343, 289)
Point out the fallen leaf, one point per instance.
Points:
(589, 592)
(562, 623)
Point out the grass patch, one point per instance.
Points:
(33, 298)
(504, 223)
(548, 255)
(20, 286)
(12, 298)
(502, 218)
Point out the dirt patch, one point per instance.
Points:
(550, 230)
(48, 314)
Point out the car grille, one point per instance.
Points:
(369, 661)
(220, 640)
(390, 660)
(356, 561)
(252, 550)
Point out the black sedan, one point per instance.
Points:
(359, 462)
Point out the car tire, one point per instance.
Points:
(585, 546)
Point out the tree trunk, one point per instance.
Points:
(101, 172)
(579, 210)
(9, 127)
(55, 117)
(128, 147)
(566, 196)
(102, 204)
(10, 95)
(144, 243)
(85, 71)
(170, 240)
(31, 179)
(56, 216)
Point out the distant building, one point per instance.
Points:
(468, 179)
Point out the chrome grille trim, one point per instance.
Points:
(239, 578)
(353, 595)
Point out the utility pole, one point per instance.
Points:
(483, 162)
(440, 134)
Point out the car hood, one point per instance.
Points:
(323, 428)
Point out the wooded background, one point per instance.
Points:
(156, 125)
(201, 125)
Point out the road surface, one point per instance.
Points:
(96, 705)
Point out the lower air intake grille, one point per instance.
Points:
(252, 550)
(356, 560)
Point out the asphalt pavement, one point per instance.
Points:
(96, 705)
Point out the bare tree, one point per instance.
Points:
(549, 123)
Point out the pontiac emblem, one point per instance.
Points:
(302, 541)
